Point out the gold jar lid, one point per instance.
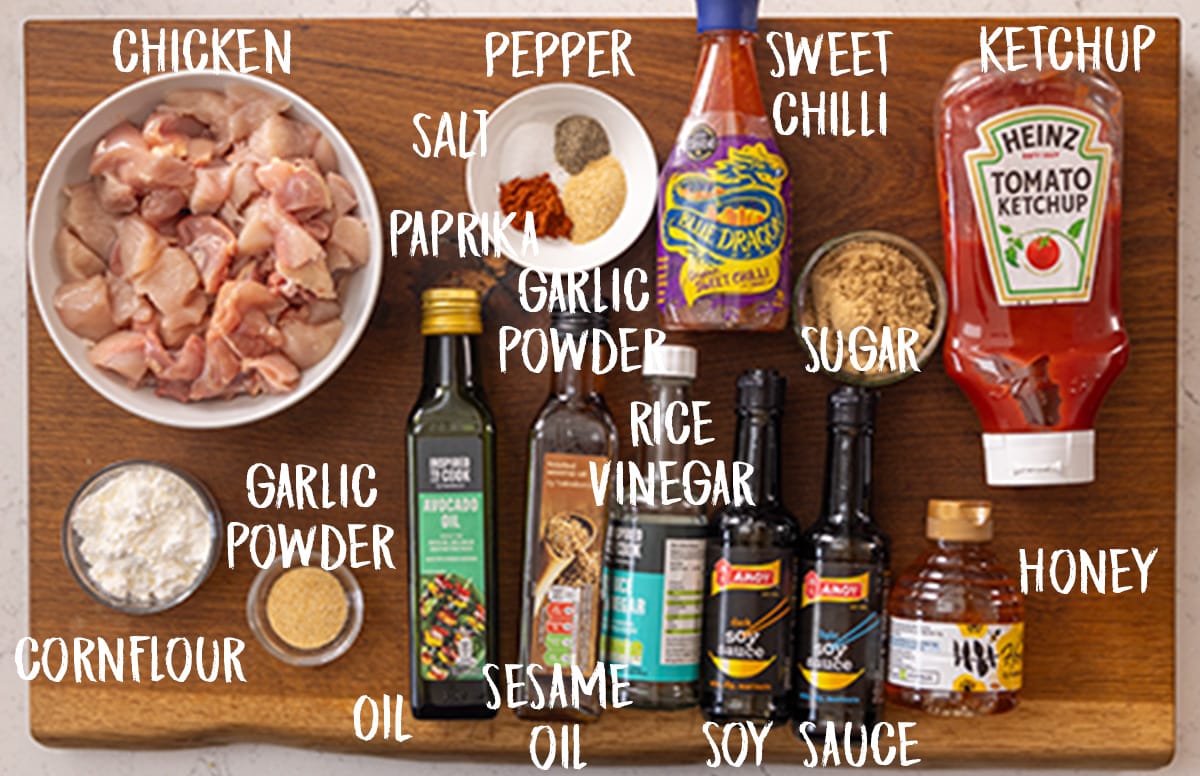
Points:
(959, 521)
(450, 311)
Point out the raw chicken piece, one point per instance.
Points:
(236, 299)
(123, 299)
(161, 205)
(253, 107)
(323, 154)
(169, 283)
(280, 137)
(221, 366)
(294, 246)
(171, 131)
(183, 365)
(348, 240)
(185, 320)
(213, 186)
(256, 235)
(138, 247)
(312, 278)
(116, 197)
(209, 107)
(322, 310)
(318, 227)
(307, 343)
(88, 220)
(297, 186)
(76, 259)
(342, 194)
(84, 308)
(211, 245)
(123, 352)
(123, 153)
(245, 184)
(278, 374)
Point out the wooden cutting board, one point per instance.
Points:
(1099, 670)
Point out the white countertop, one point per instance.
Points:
(20, 754)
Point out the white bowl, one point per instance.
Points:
(520, 144)
(69, 164)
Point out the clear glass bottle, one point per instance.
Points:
(571, 441)
(843, 579)
(957, 620)
(451, 451)
(654, 557)
(750, 574)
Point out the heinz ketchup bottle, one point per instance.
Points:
(1029, 167)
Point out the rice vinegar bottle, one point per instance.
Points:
(654, 559)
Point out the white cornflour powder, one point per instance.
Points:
(145, 534)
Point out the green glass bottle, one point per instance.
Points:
(451, 448)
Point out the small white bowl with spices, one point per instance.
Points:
(565, 149)
(141, 536)
(304, 615)
(869, 308)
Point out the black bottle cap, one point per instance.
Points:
(761, 389)
(577, 321)
(852, 405)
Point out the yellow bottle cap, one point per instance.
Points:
(450, 311)
(959, 521)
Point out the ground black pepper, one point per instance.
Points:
(579, 140)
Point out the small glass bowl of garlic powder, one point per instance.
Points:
(141, 536)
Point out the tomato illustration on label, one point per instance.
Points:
(1043, 253)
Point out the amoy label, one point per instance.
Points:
(840, 629)
(656, 599)
(1039, 181)
(723, 226)
(451, 562)
(956, 657)
(748, 625)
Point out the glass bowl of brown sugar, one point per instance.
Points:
(869, 308)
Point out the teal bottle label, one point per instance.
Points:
(451, 561)
(655, 599)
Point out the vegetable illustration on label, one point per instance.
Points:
(1039, 181)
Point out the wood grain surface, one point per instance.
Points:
(1099, 679)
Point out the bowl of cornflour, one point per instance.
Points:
(869, 308)
(141, 537)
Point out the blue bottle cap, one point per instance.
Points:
(726, 15)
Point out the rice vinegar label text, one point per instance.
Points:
(1040, 181)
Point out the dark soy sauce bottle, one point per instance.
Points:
(750, 573)
(841, 626)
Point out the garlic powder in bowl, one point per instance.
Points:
(141, 536)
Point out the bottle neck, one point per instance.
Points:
(847, 474)
(726, 77)
(758, 445)
(449, 361)
(660, 393)
(570, 384)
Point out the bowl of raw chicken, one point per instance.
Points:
(205, 249)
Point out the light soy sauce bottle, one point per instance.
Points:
(750, 573)
(843, 585)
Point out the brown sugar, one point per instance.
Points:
(307, 607)
(870, 284)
